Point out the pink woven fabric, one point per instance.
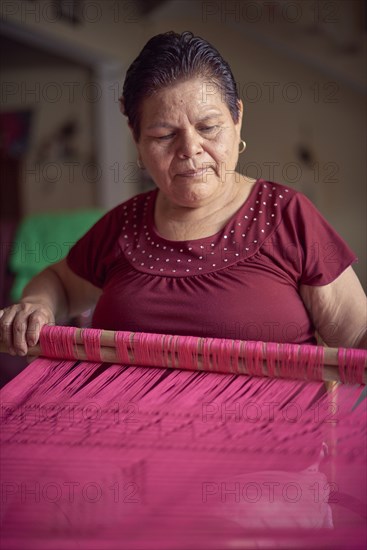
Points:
(107, 457)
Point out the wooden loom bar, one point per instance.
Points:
(109, 354)
(108, 340)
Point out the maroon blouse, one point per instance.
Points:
(243, 282)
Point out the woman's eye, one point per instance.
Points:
(208, 129)
(168, 136)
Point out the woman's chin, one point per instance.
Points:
(194, 196)
(193, 192)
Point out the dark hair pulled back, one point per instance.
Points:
(169, 58)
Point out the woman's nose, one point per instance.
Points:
(189, 145)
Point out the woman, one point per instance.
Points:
(210, 251)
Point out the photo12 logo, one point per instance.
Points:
(310, 12)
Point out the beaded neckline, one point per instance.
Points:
(239, 239)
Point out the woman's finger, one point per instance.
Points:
(6, 326)
(36, 321)
(20, 323)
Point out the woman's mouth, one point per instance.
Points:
(193, 173)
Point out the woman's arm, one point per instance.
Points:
(338, 310)
(55, 293)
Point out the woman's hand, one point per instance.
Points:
(55, 293)
(20, 325)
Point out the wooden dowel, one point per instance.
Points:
(108, 354)
(108, 340)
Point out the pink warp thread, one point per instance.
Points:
(147, 349)
(208, 354)
(271, 358)
(92, 343)
(57, 341)
(288, 360)
(311, 360)
(351, 364)
(122, 342)
(186, 353)
(201, 460)
(234, 363)
(254, 358)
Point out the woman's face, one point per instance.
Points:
(189, 142)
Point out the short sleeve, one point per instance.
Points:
(94, 253)
(321, 253)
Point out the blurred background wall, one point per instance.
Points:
(300, 68)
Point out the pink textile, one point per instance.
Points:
(241, 283)
(205, 354)
(104, 457)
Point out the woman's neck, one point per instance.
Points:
(177, 223)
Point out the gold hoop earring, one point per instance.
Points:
(140, 164)
(242, 146)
